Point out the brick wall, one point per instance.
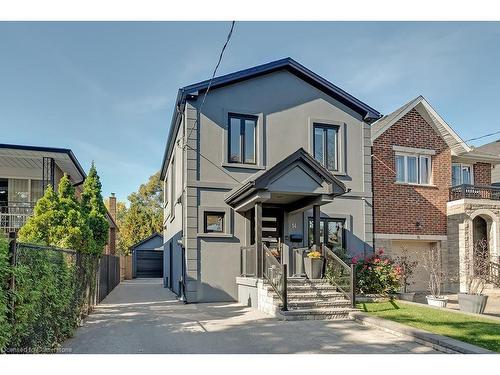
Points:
(482, 173)
(398, 207)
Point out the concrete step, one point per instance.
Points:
(312, 304)
(307, 288)
(316, 314)
(314, 294)
(303, 280)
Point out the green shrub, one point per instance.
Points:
(4, 276)
(377, 274)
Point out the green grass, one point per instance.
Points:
(478, 331)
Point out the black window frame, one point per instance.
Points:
(215, 213)
(325, 127)
(325, 221)
(242, 119)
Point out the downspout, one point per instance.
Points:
(373, 203)
(182, 292)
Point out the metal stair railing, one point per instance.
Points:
(340, 274)
(276, 274)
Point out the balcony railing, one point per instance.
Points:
(474, 192)
(14, 215)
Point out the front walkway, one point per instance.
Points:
(140, 316)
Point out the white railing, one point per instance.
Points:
(14, 216)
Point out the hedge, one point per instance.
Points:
(51, 296)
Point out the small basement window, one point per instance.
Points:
(213, 222)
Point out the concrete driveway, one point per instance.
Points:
(140, 316)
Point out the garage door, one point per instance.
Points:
(149, 263)
(416, 251)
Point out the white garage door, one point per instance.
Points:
(416, 250)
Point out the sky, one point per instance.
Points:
(106, 90)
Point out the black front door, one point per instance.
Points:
(272, 226)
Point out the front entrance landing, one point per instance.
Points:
(140, 316)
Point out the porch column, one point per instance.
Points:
(258, 239)
(316, 223)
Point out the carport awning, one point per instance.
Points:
(297, 182)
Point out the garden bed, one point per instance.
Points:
(478, 331)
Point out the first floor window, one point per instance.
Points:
(241, 136)
(214, 222)
(413, 169)
(332, 237)
(325, 145)
(461, 174)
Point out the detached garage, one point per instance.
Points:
(147, 257)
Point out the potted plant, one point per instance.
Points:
(432, 262)
(313, 265)
(406, 269)
(476, 269)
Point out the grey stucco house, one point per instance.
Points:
(278, 159)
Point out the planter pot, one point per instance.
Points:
(472, 303)
(313, 268)
(437, 301)
(406, 296)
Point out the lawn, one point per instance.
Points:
(478, 331)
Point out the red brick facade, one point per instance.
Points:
(410, 209)
(482, 174)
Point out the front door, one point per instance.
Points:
(272, 226)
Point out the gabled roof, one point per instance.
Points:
(155, 234)
(452, 139)
(192, 91)
(260, 179)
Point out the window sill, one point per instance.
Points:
(415, 185)
(215, 235)
(243, 166)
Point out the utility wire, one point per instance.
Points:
(213, 76)
(195, 125)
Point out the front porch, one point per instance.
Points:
(473, 217)
(272, 262)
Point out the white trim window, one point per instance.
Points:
(413, 169)
(461, 174)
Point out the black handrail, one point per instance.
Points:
(343, 276)
(276, 274)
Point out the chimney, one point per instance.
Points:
(112, 206)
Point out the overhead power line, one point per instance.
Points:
(213, 75)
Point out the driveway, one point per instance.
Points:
(140, 316)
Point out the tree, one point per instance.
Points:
(144, 215)
(45, 217)
(94, 210)
(72, 231)
(58, 221)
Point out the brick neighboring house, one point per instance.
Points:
(431, 189)
(492, 148)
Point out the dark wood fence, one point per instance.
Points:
(109, 275)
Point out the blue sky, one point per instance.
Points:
(106, 90)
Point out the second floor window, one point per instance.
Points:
(461, 174)
(413, 169)
(325, 145)
(242, 139)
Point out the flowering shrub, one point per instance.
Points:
(377, 274)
